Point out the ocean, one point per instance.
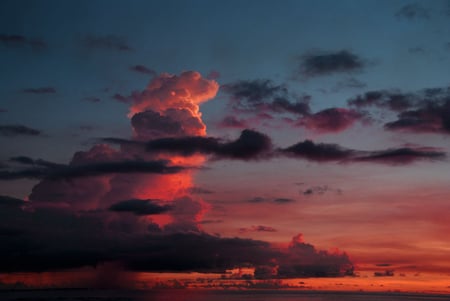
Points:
(204, 295)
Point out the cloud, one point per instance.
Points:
(10, 201)
(112, 42)
(92, 99)
(392, 100)
(233, 122)
(423, 111)
(15, 130)
(303, 260)
(283, 200)
(141, 207)
(3, 110)
(15, 41)
(331, 120)
(199, 190)
(319, 152)
(144, 70)
(56, 239)
(59, 171)
(401, 156)
(319, 190)
(413, 11)
(250, 145)
(387, 273)
(322, 152)
(257, 229)
(40, 90)
(319, 63)
(265, 96)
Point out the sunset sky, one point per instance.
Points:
(165, 139)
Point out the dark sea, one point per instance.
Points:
(203, 295)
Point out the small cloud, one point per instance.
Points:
(18, 130)
(387, 273)
(332, 120)
(3, 110)
(41, 90)
(413, 11)
(141, 207)
(15, 41)
(144, 70)
(320, 63)
(283, 200)
(92, 99)
(112, 42)
(199, 190)
(233, 122)
(121, 98)
(257, 229)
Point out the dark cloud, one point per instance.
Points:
(257, 229)
(199, 190)
(283, 200)
(401, 156)
(331, 120)
(318, 63)
(387, 273)
(3, 110)
(14, 41)
(41, 90)
(144, 70)
(233, 122)
(249, 145)
(423, 111)
(141, 207)
(392, 100)
(121, 98)
(59, 171)
(322, 152)
(256, 200)
(112, 42)
(45, 239)
(304, 260)
(173, 124)
(349, 83)
(319, 152)
(263, 96)
(18, 130)
(413, 11)
(319, 190)
(92, 99)
(10, 201)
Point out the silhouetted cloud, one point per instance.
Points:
(250, 145)
(14, 130)
(401, 156)
(283, 200)
(319, 152)
(40, 90)
(331, 120)
(322, 152)
(233, 122)
(141, 207)
(257, 229)
(92, 99)
(319, 190)
(392, 100)
(89, 170)
(121, 98)
(387, 273)
(263, 96)
(113, 42)
(144, 70)
(413, 11)
(11, 201)
(14, 41)
(319, 63)
(199, 190)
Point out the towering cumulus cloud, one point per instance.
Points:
(168, 107)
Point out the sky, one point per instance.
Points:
(172, 139)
